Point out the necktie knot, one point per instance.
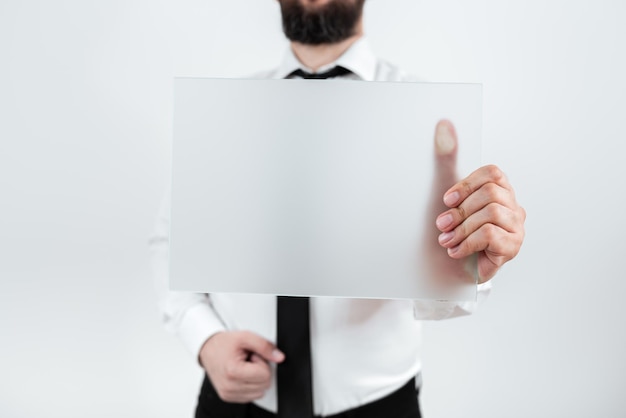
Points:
(336, 71)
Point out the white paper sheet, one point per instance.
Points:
(319, 188)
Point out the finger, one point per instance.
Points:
(446, 141)
(466, 187)
(255, 358)
(498, 245)
(239, 394)
(256, 395)
(251, 387)
(446, 149)
(477, 201)
(256, 373)
(494, 213)
(262, 381)
(260, 346)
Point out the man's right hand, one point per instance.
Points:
(237, 362)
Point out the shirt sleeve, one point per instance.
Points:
(186, 314)
(436, 310)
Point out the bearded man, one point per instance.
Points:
(352, 358)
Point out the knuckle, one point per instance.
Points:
(503, 249)
(243, 335)
(519, 218)
(462, 212)
(494, 172)
(494, 212)
(230, 372)
(469, 246)
(522, 212)
(462, 230)
(490, 232)
(466, 187)
(518, 243)
(493, 192)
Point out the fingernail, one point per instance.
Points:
(278, 355)
(451, 198)
(444, 140)
(444, 221)
(445, 237)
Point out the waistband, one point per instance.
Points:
(403, 398)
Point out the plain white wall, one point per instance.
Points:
(85, 124)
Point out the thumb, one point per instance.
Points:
(446, 148)
(261, 347)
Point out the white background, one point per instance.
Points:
(85, 123)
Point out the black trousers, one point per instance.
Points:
(403, 403)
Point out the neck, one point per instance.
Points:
(317, 56)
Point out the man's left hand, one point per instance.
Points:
(484, 218)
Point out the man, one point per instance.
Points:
(364, 353)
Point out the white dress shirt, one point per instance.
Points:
(362, 349)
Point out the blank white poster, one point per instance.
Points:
(318, 188)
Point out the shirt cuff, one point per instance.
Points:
(435, 310)
(198, 325)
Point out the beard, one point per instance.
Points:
(327, 24)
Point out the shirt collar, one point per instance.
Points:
(359, 59)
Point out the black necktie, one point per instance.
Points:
(294, 377)
(295, 390)
(337, 71)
